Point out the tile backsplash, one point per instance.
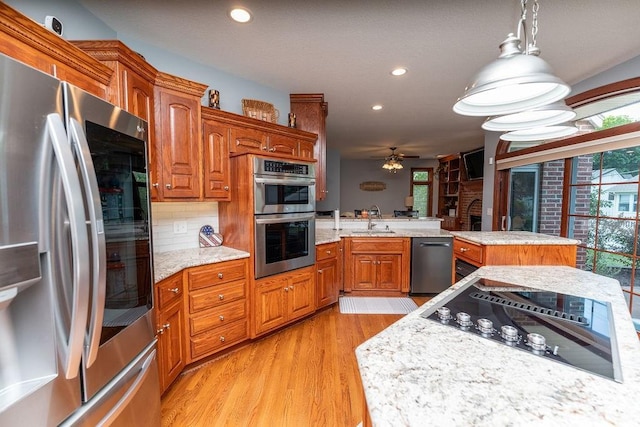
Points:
(176, 225)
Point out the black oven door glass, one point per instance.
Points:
(286, 240)
(281, 194)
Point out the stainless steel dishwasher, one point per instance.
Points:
(431, 267)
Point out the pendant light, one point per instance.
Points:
(540, 133)
(548, 115)
(516, 81)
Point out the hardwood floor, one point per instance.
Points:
(303, 375)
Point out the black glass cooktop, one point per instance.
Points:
(565, 328)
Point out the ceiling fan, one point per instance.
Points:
(393, 162)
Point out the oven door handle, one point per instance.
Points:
(280, 181)
(276, 219)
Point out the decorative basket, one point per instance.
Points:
(260, 110)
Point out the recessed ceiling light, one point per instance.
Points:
(399, 71)
(240, 14)
(377, 107)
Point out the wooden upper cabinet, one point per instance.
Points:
(29, 42)
(178, 144)
(283, 144)
(248, 140)
(216, 172)
(311, 112)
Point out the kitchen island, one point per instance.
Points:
(418, 371)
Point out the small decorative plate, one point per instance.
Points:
(208, 237)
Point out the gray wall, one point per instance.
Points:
(353, 172)
(80, 24)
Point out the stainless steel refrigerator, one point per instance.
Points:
(77, 343)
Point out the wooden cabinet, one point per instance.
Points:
(512, 254)
(170, 328)
(311, 112)
(328, 273)
(29, 42)
(258, 140)
(217, 307)
(215, 148)
(377, 265)
(283, 298)
(178, 144)
(131, 87)
(248, 140)
(448, 191)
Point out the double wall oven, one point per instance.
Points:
(284, 215)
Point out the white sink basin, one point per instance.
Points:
(372, 231)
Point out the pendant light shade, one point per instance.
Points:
(512, 83)
(547, 115)
(540, 133)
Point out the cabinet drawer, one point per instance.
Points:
(217, 317)
(216, 339)
(169, 290)
(215, 275)
(388, 245)
(325, 251)
(216, 296)
(468, 250)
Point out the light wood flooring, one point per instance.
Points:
(303, 375)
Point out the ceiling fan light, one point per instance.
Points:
(548, 115)
(541, 133)
(512, 83)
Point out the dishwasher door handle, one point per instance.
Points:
(425, 244)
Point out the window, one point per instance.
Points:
(422, 190)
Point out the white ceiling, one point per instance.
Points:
(346, 49)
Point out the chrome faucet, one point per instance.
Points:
(370, 225)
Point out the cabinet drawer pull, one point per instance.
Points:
(221, 318)
(220, 275)
(222, 338)
(174, 290)
(328, 252)
(320, 271)
(155, 185)
(160, 331)
(464, 249)
(166, 325)
(264, 148)
(226, 188)
(220, 297)
(290, 288)
(286, 289)
(272, 149)
(168, 186)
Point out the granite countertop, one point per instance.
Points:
(512, 238)
(167, 263)
(415, 370)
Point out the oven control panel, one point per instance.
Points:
(285, 167)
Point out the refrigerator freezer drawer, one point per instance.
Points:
(132, 398)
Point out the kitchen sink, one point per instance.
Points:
(372, 231)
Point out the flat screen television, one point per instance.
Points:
(474, 163)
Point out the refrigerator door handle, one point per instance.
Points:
(96, 227)
(119, 406)
(72, 351)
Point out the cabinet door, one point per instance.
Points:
(248, 141)
(282, 144)
(301, 295)
(215, 138)
(179, 135)
(270, 305)
(364, 271)
(171, 345)
(327, 285)
(388, 271)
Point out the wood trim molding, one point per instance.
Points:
(23, 29)
(604, 92)
(115, 50)
(169, 81)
